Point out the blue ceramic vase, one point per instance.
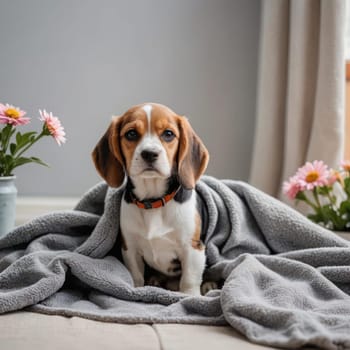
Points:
(8, 194)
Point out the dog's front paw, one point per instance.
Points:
(207, 286)
(193, 290)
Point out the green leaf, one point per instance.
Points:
(13, 148)
(21, 161)
(25, 140)
(6, 134)
(24, 160)
(38, 161)
(347, 186)
(8, 158)
(6, 131)
(18, 138)
(323, 191)
(334, 199)
(344, 208)
(27, 136)
(330, 214)
(318, 217)
(7, 164)
(301, 196)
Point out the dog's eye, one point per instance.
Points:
(168, 135)
(132, 135)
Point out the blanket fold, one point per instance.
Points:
(287, 280)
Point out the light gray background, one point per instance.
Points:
(87, 60)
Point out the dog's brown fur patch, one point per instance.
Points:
(196, 238)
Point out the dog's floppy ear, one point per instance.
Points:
(193, 156)
(107, 155)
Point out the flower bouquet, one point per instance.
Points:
(325, 190)
(14, 144)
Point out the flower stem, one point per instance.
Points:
(319, 206)
(314, 192)
(331, 201)
(30, 145)
(312, 205)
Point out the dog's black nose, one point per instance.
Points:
(149, 156)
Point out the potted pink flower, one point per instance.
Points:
(325, 190)
(13, 146)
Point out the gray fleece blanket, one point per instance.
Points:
(287, 281)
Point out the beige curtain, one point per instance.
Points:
(300, 98)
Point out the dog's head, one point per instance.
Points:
(150, 141)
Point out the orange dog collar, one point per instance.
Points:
(154, 203)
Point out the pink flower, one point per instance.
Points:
(335, 176)
(292, 187)
(313, 174)
(345, 164)
(12, 115)
(53, 126)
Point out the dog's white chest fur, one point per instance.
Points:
(159, 235)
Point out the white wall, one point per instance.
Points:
(86, 60)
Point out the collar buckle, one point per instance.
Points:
(147, 204)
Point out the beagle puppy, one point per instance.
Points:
(158, 156)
